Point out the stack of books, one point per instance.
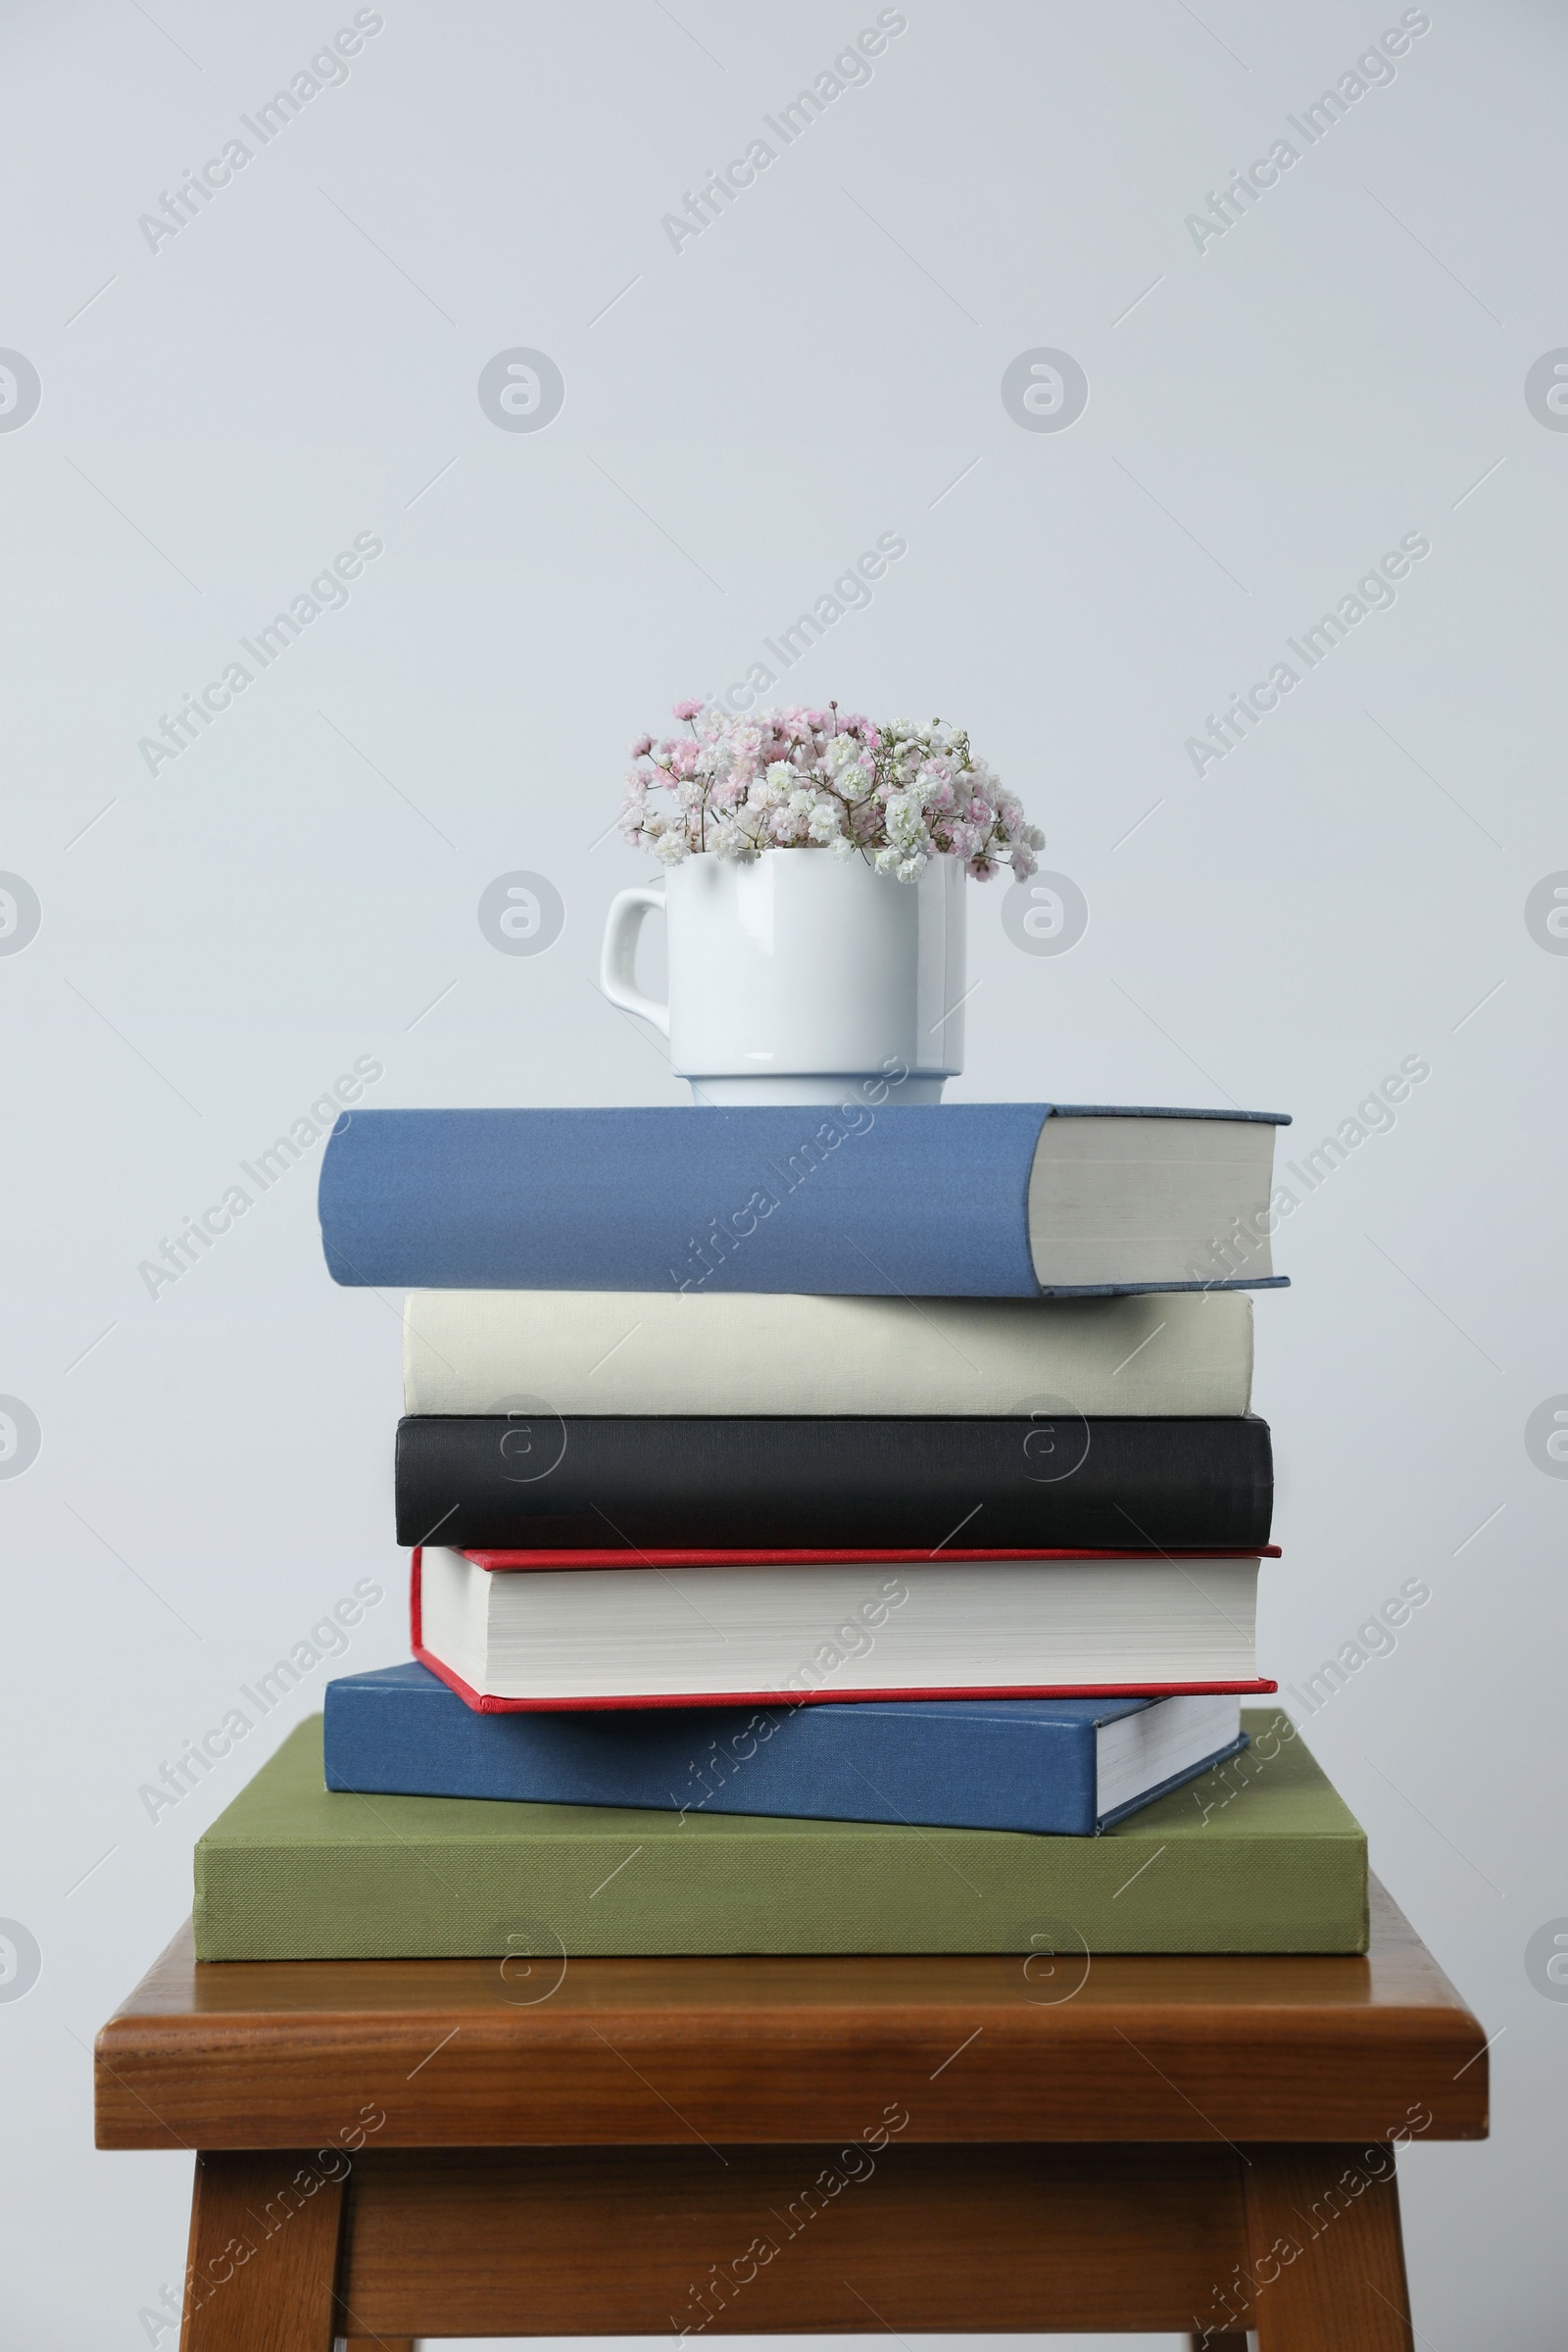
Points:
(830, 1531)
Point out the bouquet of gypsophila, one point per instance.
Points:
(896, 794)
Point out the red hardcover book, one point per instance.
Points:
(560, 1630)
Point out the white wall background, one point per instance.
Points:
(222, 415)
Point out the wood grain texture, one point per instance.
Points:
(478, 2053)
(263, 2262)
(1327, 2221)
(649, 2242)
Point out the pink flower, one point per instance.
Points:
(806, 776)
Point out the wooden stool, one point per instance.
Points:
(401, 2148)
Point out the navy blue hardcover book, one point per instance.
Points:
(963, 1199)
(1061, 1766)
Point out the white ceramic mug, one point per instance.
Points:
(799, 974)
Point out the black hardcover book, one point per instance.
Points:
(541, 1483)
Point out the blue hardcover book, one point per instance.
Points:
(1065, 1767)
(971, 1199)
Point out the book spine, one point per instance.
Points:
(814, 1199)
(1295, 1882)
(731, 1355)
(838, 1485)
(781, 1761)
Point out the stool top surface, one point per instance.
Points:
(537, 2050)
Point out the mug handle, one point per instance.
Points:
(617, 975)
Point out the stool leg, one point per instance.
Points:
(1324, 2252)
(263, 2239)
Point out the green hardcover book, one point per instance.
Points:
(1258, 1857)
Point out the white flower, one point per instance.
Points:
(896, 794)
(904, 822)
